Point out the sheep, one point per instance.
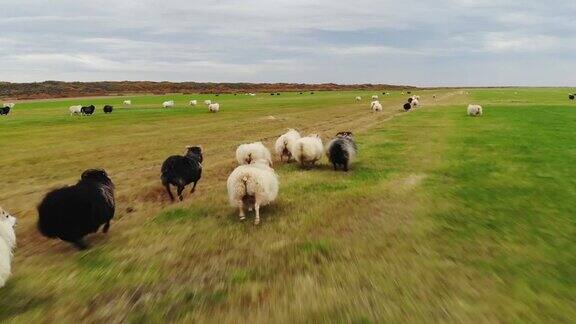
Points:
(252, 186)
(247, 153)
(127, 102)
(474, 110)
(9, 104)
(168, 104)
(181, 171)
(7, 244)
(312, 92)
(415, 102)
(342, 150)
(285, 142)
(72, 212)
(358, 98)
(433, 96)
(4, 110)
(252, 94)
(308, 150)
(207, 102)
(376, 106)
(374, 97)
(215, 107)
(410, 100)
(87, 110)
(407, 106)
(108, 109)
(571, 97)
(272, 94)
(193, 102)
(75, 110)
(277, 93)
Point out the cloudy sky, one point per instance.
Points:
(417, 42)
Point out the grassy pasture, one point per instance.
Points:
(443, 218)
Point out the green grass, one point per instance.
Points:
(444, 218)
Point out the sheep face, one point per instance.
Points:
(195, 151)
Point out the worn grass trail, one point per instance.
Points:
(443, 218)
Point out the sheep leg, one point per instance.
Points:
(80, 244)
(180, 189)
(106, 227)
(169, 192)
(241, 209)
(345, 166)
(193, 187)
(257, 209)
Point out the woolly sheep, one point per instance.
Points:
(75, 110)
(252, 186)
(208, 102)
(9, 104)
(376, 106)
(474, 110)
(7, 244)
(342, 150)
(571, 97)
(374, 97)
(127, 102)
(215, 107)
(415, 102)
(308, 150)
(358, 98)
(193, 102)
(285, 142)
(248, 153)
(168, 104)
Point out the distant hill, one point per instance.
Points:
(58, 89)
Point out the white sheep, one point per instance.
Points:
(193, 102)
(358, 98)
(252, 94)
(75, 110)
(215, 107)
(252, 186)
(168, 104)
(374, 97)
(9, 104)
(208, 102)
(376, 106)
(415, 102)
(127, 102)
(474, 110)
(308, 150)
(285, 142)
(248, 153)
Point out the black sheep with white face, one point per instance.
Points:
(4, 110)
(180, 171)
(70, 213)
(342, 151)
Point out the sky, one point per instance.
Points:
(410, 42)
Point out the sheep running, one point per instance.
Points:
(181, 171)
(358, 98)
(108, 109)
(7, 244)
(342, 151)
(252, 186)
(248, 153)
(127, 102)
(285, 142)
(75, 110)
(308, 150)
(376, 106)
(215, 107)
(193, 102)
(474, 110)
(168, 104)
(4, 110)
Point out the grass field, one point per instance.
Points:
(444, 218)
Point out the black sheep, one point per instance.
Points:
(407, 106)
(72, 212)
(278, 93)
(87, 110)
(312, 92)
(108, 109)
(571, 97)
(4, 110)
(272, 94)
(342, 150)
(181, 171)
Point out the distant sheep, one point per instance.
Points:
(127, 102)
(108, 109)
(308, 150)
(434, 96)
(88, 110)
(4, 110)
(75, 110)
(474, 110)
(248, 153)
(407, 106)
(180, 171)
(252, 186)
(9, 104)
(376, 106)
(72, 212)
(193, 102)
(342, 151)
(215, 107)
(7, 245)
(207, 102)
(374, 97)
(571, 97)
(285, 142)
(252, 94)
(358, 98)
(168, 104)
(415, 102)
